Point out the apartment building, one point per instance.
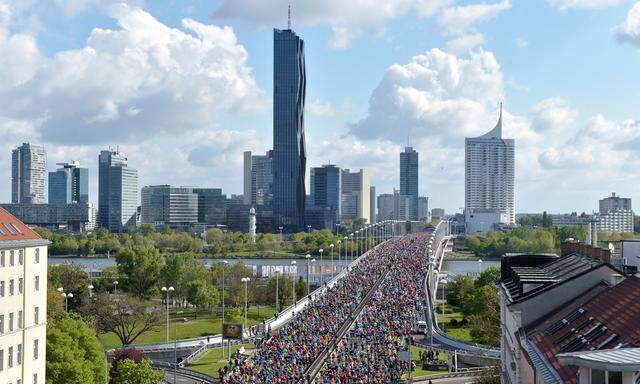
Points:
(23, 302)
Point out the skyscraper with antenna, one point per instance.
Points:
(289, 149)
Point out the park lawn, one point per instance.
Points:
(463, 334)
(415, 357)
(211, 361)
(206, 323)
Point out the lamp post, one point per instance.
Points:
(321, 268)
(245, 280)
(167, 290)
(175, 346)
(90, 290)
(308, 257)
(115, 287)
(443, 282)
(333, 268)
(340, 254)
(293, 281)
(67, 296)
(224, 266)
(351, 236)
(479, 266)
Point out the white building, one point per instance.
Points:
(490, 174)
(355, 194)
(23, 302)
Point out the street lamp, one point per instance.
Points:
(67, 296)
(308, 257)
(167, 290)
(245, 280)
(333, 268)
(340, 254)
(293, 281)
(175, 346)
(115, 287)
(224, 265)
(90, 290)
(479, 266)
(351, 236)
(443, 282)
(321, 268)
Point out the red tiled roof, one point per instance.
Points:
(617, 309)
(12, 229)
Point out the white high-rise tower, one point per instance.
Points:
(489, 179)
(252, 224)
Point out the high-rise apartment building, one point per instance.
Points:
(258, 179)
(69, 184)
(23, 302)
(615, 214)
(164, 204)
(28, 173)
(289, 152)
(409, 181)
(355, 194)
(614, 202)
(423, 208)
(490, 177)
(372, 205)
(117, 192)
(326, 187)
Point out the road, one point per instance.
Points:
(453, 380)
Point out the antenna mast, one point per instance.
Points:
(289, 18)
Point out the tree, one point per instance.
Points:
(132, 354)
(141, 265)
(55, 305)
(74, 354)
(488, 277)
(127, 316)
(72, 278)
(130, 372)
(301, 288)
(460, 288)
(202, 294)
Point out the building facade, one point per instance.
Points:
(385, 207)
(409, 179)
(615, 214)
(28, 173)
(423, 209)
(437, 213)
(490, 175)
(355, 194)
(23, 302)
(167, 205)
(614, 202)
(326, 189)
(289, 148)
(69, 184)
(372, 205)
(212, 206)
(78, 217)
(117, 192)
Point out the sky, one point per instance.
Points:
(184, 87)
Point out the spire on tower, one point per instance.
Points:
(289, 18)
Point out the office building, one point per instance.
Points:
(237, 214)
(167, 205)
(372, 205)
(385, 207)
(615, 214)
(258, 179)
(409, 181)
(117, 192)
(355, 194)
(23, 302)
(489, 177)
(69, 184)
(326, 189)
(571, 220)
(437, 213)
(28, 173)
(212, 206)
(423, 208)
(289, 149)
(77, 217)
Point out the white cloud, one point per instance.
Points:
(629, 31)
(346, 19)
(553, 114)
(460, 19)
(129, 83)
(521, 43)
(583, 4)
(465, 43)
(320, 109)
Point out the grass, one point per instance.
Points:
(210, 362)
(415, 357)
(453, 313)
(203, 324)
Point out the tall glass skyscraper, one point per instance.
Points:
(326, 188)
(28, 172)
(69, 184)
(289, 153)
(117, 192)
(409, 179)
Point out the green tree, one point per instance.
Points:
(130, 372)
(202, 294)
(460, 288)
(301, 288)
(142, 266)
(74, 354)
(488, 277)
(72, 278)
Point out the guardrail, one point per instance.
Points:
(169, 368)
(469, 372)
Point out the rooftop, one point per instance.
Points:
(12, 229)
(623, 359)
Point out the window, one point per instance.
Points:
(10, 357)
(35, 349)
(11, 322)
(20, 325)
(11, 258)
(35, 378)
(20, 257)
(37, 255)
(1, 288)
(19, 355)
(1, 258)
(11, 287)
(1, 324)
(20, 285)
(36, 283)
(1, 360)
(36, 315)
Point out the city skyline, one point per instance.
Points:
(560, 133)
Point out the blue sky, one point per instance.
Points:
(183, 96)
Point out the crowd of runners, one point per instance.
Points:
(370, 352)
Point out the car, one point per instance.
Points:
(421, 326)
